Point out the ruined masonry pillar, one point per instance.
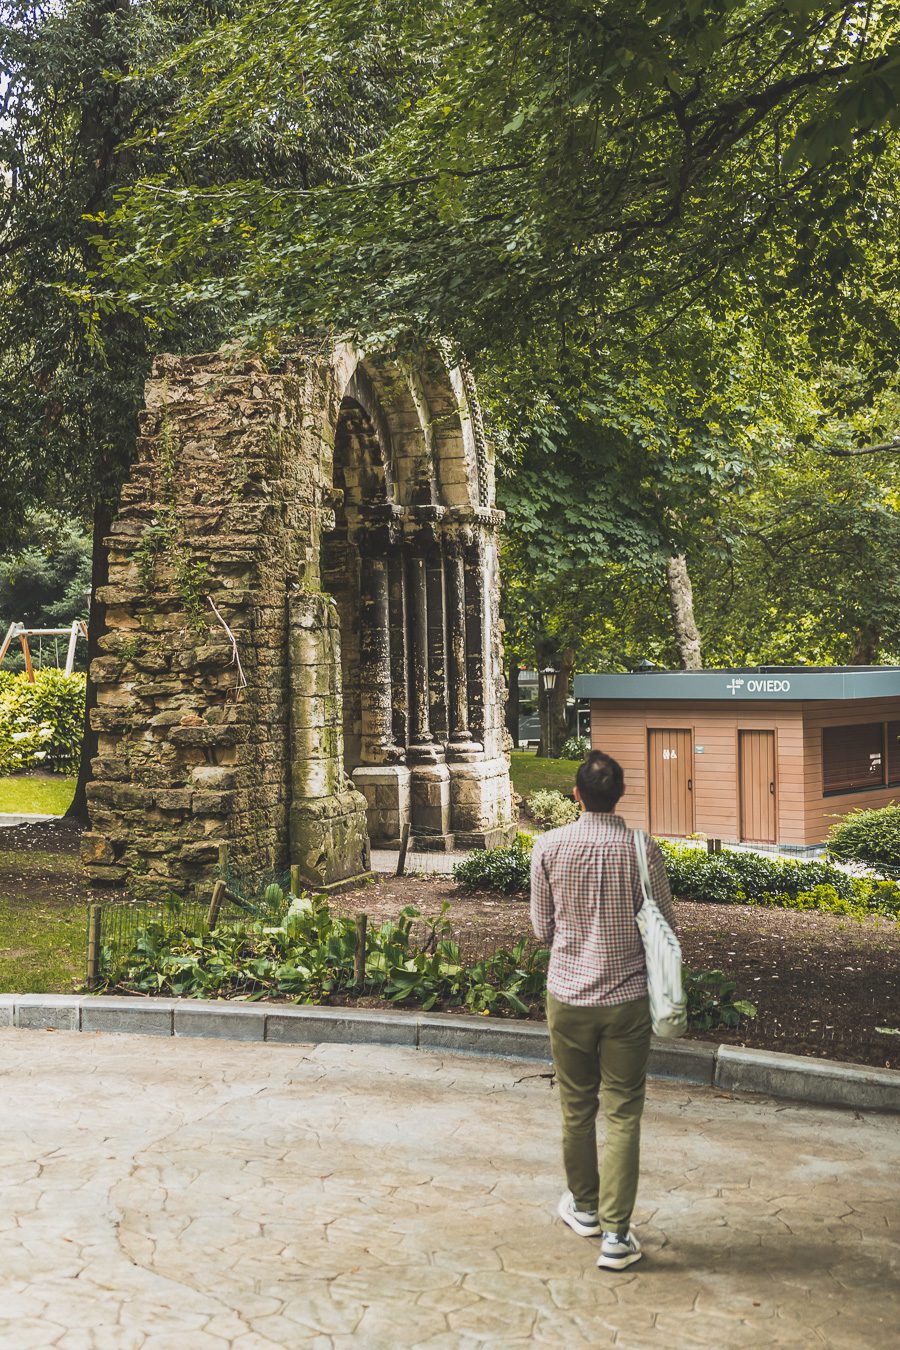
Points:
(328, 835)
(430, 778)
(381, 777)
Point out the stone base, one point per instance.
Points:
(386, 790)
(480, 798)
(431, 843)
(429, 801)
(500, 837)
(329, 839)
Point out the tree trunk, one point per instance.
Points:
(512, 702)
(681, 604)
(866, 641)
(96, 628)
(554, 720)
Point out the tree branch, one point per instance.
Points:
(885, 448)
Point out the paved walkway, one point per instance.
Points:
(417, 864)
(184, 1195)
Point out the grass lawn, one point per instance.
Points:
(36, 794)
(529, 773)
(42, 921)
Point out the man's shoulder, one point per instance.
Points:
(551, 840)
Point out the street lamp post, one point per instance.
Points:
(549, 676)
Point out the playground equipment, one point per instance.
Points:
(78, 628)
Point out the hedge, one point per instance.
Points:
(41, 724)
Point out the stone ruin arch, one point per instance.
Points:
(339, 517)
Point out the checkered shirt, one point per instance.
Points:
(585, 892)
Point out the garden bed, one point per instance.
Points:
(822, 983)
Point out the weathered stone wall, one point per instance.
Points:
(220, 707)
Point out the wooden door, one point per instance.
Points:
(671, 778)
(756, 760)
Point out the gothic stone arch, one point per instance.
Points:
(339, 515)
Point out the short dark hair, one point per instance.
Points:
(600, 781)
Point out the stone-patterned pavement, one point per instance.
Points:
(198, 1195)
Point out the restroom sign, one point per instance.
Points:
(670, 754)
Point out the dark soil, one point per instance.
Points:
(822, 984)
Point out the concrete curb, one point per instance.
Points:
(819, 1081)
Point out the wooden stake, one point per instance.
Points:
(359, 958)
(223, 854)
(404, 846)
(295, 879)
(215, 904)
(95, 929)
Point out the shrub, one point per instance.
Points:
(507, 870)
(871, 837)
(733, 877)
(308, 954)
(41, 724)
(550, 808)
(576, 747)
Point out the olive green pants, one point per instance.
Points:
(601, 1049)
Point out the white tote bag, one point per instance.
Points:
(668, 1005)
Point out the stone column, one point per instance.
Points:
(430, 783)
(421, 740)
(377, 739)
(381, 776)
(479, 788)
(461, 743)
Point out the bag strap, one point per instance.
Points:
(640, 848)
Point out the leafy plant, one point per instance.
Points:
(41, 724)
(871, 837)
(711, 1000)
(576, 747)
(308, 954)
(550, 808)
(507, 870)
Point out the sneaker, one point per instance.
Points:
(584, 1222)
(618, 1251)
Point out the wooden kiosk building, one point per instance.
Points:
(768, 755)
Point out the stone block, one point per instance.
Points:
(173, 799)
(106, 875)
(313, 1026)
(484, 1036)
(211, 736)
(690, 1061)
(7, 1009)
(211, 777)
(211, 803)
(105, 669)
(822, 1081)
(202, 851)
(47, 1012)
(96, 848)
(143, 1017)
(222, 1021)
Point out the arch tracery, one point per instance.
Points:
(360, 494)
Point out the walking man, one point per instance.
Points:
(585, 893)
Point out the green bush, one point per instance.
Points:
(41, 724)
(576, 747)
(871, 837)
(507, 870)
(738, 878)
(550, 809)
(733, 876)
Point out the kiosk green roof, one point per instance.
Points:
(747, 684)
